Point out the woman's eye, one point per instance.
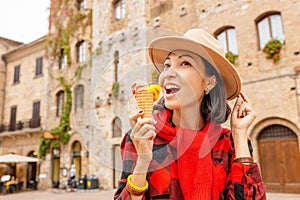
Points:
(166, 66)
(186, 63)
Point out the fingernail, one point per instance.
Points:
(141, 111)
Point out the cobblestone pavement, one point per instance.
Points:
(97, 195)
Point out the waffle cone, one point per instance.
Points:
(145, 101)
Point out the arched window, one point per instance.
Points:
(117, 127)
(269, 26)
(62, 59)
(116, 62)
(79, 94)
(81, 5)
(80, 49)
(227, 37)
(60, 103)
(119, 9)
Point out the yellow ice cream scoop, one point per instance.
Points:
(145, 97)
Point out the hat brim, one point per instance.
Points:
(160, 48)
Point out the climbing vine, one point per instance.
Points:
(59, 133)
(67, 25)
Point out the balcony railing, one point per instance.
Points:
(19, 125)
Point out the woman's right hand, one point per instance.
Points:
(142, 136)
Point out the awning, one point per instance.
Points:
(14, 158)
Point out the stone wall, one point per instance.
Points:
(270, 86)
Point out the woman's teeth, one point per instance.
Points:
(171, 89)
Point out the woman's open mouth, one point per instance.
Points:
(171, 89)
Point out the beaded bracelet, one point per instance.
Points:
(136, 190)
(243, 160)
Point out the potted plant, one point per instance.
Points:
(273, 48)
(231, 56)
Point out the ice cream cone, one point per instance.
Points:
(145, 101)
(145, 95)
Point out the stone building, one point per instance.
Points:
(243, 27)
(24, 107)
(68, 46)
(5, 46)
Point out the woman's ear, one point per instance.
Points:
(211, 82)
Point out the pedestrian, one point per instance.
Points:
(183, 151)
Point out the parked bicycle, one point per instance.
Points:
(70, 185)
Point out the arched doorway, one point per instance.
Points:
(279, 159)
(31, 172)
(116, 152)
(76, 159)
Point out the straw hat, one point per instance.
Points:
(203, 44)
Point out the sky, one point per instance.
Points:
(24, 20)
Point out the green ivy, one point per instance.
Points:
(60, 132)
(115, 89)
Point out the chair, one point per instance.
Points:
(19, 186)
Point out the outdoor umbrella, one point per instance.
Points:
(14, 158)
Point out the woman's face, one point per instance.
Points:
(183, 80)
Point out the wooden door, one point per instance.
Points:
(279, 159)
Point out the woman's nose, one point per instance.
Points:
(169, 73)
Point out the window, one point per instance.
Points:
(120, 9)
(59, 103)
(39, 66)
(269, 27)
(35, 120)
(81, 5)
(17, 74)
(227, 37)
(117, 127)
(62, 60)
(13, 118)
(79, 94)
(80, 51)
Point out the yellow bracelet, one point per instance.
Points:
(135, 190)
(243, 160)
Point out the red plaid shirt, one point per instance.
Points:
(234, 180)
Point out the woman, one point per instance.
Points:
(183, 152)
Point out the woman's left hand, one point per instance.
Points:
(242, 115)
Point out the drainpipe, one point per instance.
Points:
(4, 86)
(297, 70)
